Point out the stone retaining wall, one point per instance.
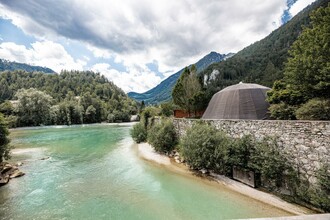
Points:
(306, 142)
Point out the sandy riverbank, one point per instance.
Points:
(146, 152)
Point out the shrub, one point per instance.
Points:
(166, 109)
(4, 141)
(323, 177)
(263, 157)
(320, 196)
(204, 146)
(119, 116)
(239, 154)
(282, 111)
(162, 136)
(139, 133)
(314, 109)
(147, 113)
(270, 162)
(11, 121)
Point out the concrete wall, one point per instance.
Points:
(306, 142)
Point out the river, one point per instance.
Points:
(93, 172)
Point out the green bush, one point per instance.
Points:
(139, 133)
(147, 113)
(204, 146)
(323, 177)
(166, 109)
(314, 109)
(282, 111)
(119, 116)
(11, 121)
(162, 136)
(263, 157)
(4, 140)
(270, 162)
(239, 154)
(320, 196)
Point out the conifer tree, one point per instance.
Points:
(186, 89)
(307, 72)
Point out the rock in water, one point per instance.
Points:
(4, 180)
(6, 167)
(8, 171)
(45, 158)
(16, 174)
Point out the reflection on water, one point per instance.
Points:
(93, 173)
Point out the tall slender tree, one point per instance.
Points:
(186, 89)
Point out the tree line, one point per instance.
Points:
(262, 62)
(293, 60)
(304, 91)
(72, 97)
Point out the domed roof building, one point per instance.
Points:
(240, 101)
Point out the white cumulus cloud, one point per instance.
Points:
(41, 53)
(134, 79)
(172, 33)
(299, 5)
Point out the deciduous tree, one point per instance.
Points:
(33, 107)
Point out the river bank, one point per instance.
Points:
(9, 171)
(146, 152)
(121, 185)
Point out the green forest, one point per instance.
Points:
(303, 93)
(12, 66)
(72, 97)
(262, 62)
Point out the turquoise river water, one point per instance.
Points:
(94, 172)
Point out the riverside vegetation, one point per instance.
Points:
(305, 76)
(72, 97)
(303, 93)
(7, 171)
(203, 147)
(300, 84)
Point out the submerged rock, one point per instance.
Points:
(4, 180)
(45, 158)
(7, 172)
(6, 167)
(16, 174)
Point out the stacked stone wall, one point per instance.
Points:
(306, 142)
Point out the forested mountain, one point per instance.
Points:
(11, 66)
(262, 62)
(163, 91)
(72, 97)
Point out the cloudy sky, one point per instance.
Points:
(136, 44)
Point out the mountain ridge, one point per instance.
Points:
(163, 91)
(12, 66)
(263, 61)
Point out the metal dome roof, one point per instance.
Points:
(240, 101)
